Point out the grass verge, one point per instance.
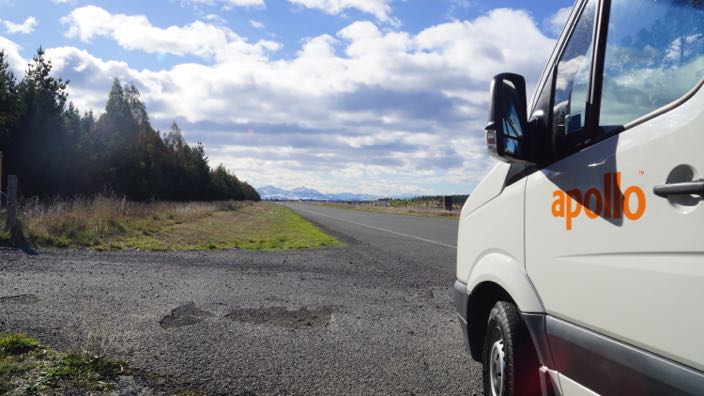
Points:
(5, 237)
(261, 226)
(29, 368)
(113, 224)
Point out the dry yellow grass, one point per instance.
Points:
(261, 226)
(102, 223)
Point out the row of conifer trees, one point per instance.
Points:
(57, 151)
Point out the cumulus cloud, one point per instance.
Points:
(557, 20)
(215, 18)
(457, 5)
(14, 58)
(256, 24)
(380, 9)
(364, 109)
(135, 32)
(89, 76)
(25, 27)
(225, 4)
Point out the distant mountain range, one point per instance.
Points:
(271, 193)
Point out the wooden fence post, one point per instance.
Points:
(11, 220)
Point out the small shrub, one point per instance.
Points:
(83, 366)
(17, 344)
(46, 371)
(49, 240)
(5, 238)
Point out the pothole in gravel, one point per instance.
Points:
(20, 299)
(185, 315)
(280, 316)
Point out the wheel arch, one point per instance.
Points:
(496, 277)
(510, 275)
(480, 301)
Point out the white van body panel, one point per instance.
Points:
(489, 188)
(638, 281)
(611, 294)
(484, 256)
(572, 388)
(477, 208)
(510, 274)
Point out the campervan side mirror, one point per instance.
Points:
(507, 129)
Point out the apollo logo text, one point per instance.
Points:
(610, 202)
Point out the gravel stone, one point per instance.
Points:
(372, 317)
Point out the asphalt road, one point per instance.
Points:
(373, 317)
(368, 226)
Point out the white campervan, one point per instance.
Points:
(580, 262)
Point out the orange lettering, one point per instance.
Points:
(609, 203)
(576, 197)
(627, 203)
(617, 196)
(593, 192)
(558, 205)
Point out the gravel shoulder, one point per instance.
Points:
(360, 319)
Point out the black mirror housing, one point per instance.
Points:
(507, 133)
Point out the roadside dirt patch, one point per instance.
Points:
(184, 315)
(20, 299)
(280, 316)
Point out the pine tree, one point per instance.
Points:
(117, 133)
(56, 151)
(174, 139)
(8, 100)
(38, 149)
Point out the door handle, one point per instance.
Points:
(693, 187)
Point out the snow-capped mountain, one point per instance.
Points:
(271, 193)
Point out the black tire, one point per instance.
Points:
(519, 375)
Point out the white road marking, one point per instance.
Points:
(380, 229)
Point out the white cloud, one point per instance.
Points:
(90, 76)
(215, 18)
(226, 4)
(64, 1)
(366, 109)
(381, 9)
(135, 32)
(256, 24)
(243, 3)
(14, 58)
(457, 5)
(25, 27)
(557, 20)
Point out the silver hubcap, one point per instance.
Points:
(496, 367)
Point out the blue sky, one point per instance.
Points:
(372, 96)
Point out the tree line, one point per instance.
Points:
(57, 151)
